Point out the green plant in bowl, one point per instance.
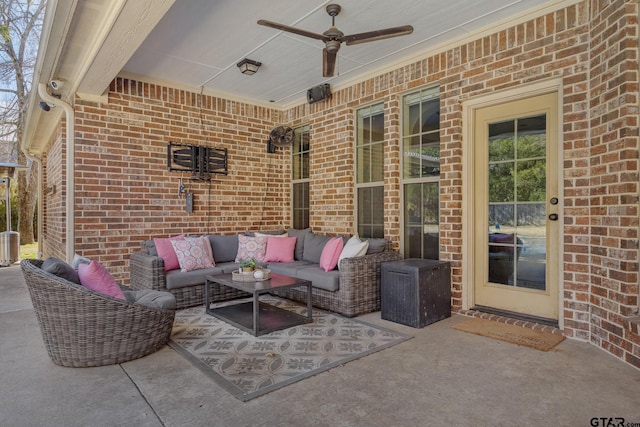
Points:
(247, 265)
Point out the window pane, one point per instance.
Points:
(301, 205)
(501, 182)
(377, 128)
(377, 162)
(501, 146)
(364, 165)
(412, 156)
(430, 115)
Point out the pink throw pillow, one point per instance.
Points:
(280, 249)
(193, 253)
(330, 253)
(251, 247)
(95, 277)
(166, 251)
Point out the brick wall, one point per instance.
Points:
(53, 209)
(613, 181)
(125, 193)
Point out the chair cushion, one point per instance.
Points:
(280, 249)
(166, 252)
(313, 246)
(152, 298)
(179, 279)
(289, 268)
(95, 277)
(193, 253)
(329, 280)
(225, 248)
(330, 254)
(60, 268)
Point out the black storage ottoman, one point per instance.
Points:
(415, 292)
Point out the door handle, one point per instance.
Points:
(553, 217)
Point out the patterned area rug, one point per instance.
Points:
(248, 366)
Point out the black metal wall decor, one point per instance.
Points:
(201, 161)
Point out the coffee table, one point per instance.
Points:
(256, 317)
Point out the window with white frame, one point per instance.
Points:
(370, 171)
(421, 173)
(300, 178)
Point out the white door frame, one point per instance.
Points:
(468, 110)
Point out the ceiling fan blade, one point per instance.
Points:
(328, 63)
(293, 30)
(370, 36)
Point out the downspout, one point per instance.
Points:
(70, 166)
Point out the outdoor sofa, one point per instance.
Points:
(351, 290)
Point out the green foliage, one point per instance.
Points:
(517, 173)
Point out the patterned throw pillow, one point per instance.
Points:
(193, 253)
(249, 247)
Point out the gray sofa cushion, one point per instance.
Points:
(152, 299)
(313, 246)
(60, 268)
(288, 268)
(300, 235)
(376, 245)
(180, 279)
(329, 280)
(225, 248)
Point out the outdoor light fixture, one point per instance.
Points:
(248, 66)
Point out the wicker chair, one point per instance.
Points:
(83, 328)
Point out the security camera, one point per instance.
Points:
(55, 84)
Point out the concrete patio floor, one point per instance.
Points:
(441, 377)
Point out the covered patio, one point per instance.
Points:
(440, 377)
(131, 79)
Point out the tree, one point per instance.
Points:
(20, 26)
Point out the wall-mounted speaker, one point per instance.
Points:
(318, 93)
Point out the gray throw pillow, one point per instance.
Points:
(224, 248)
(376, 245)
(299, 234)
(313, 246)
(61, 269)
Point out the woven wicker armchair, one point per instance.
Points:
(83, 328)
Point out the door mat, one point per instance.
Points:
(248, 366)
(514, 334)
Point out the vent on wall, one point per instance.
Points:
(201, 161)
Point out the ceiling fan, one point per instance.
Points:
(333, 37)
